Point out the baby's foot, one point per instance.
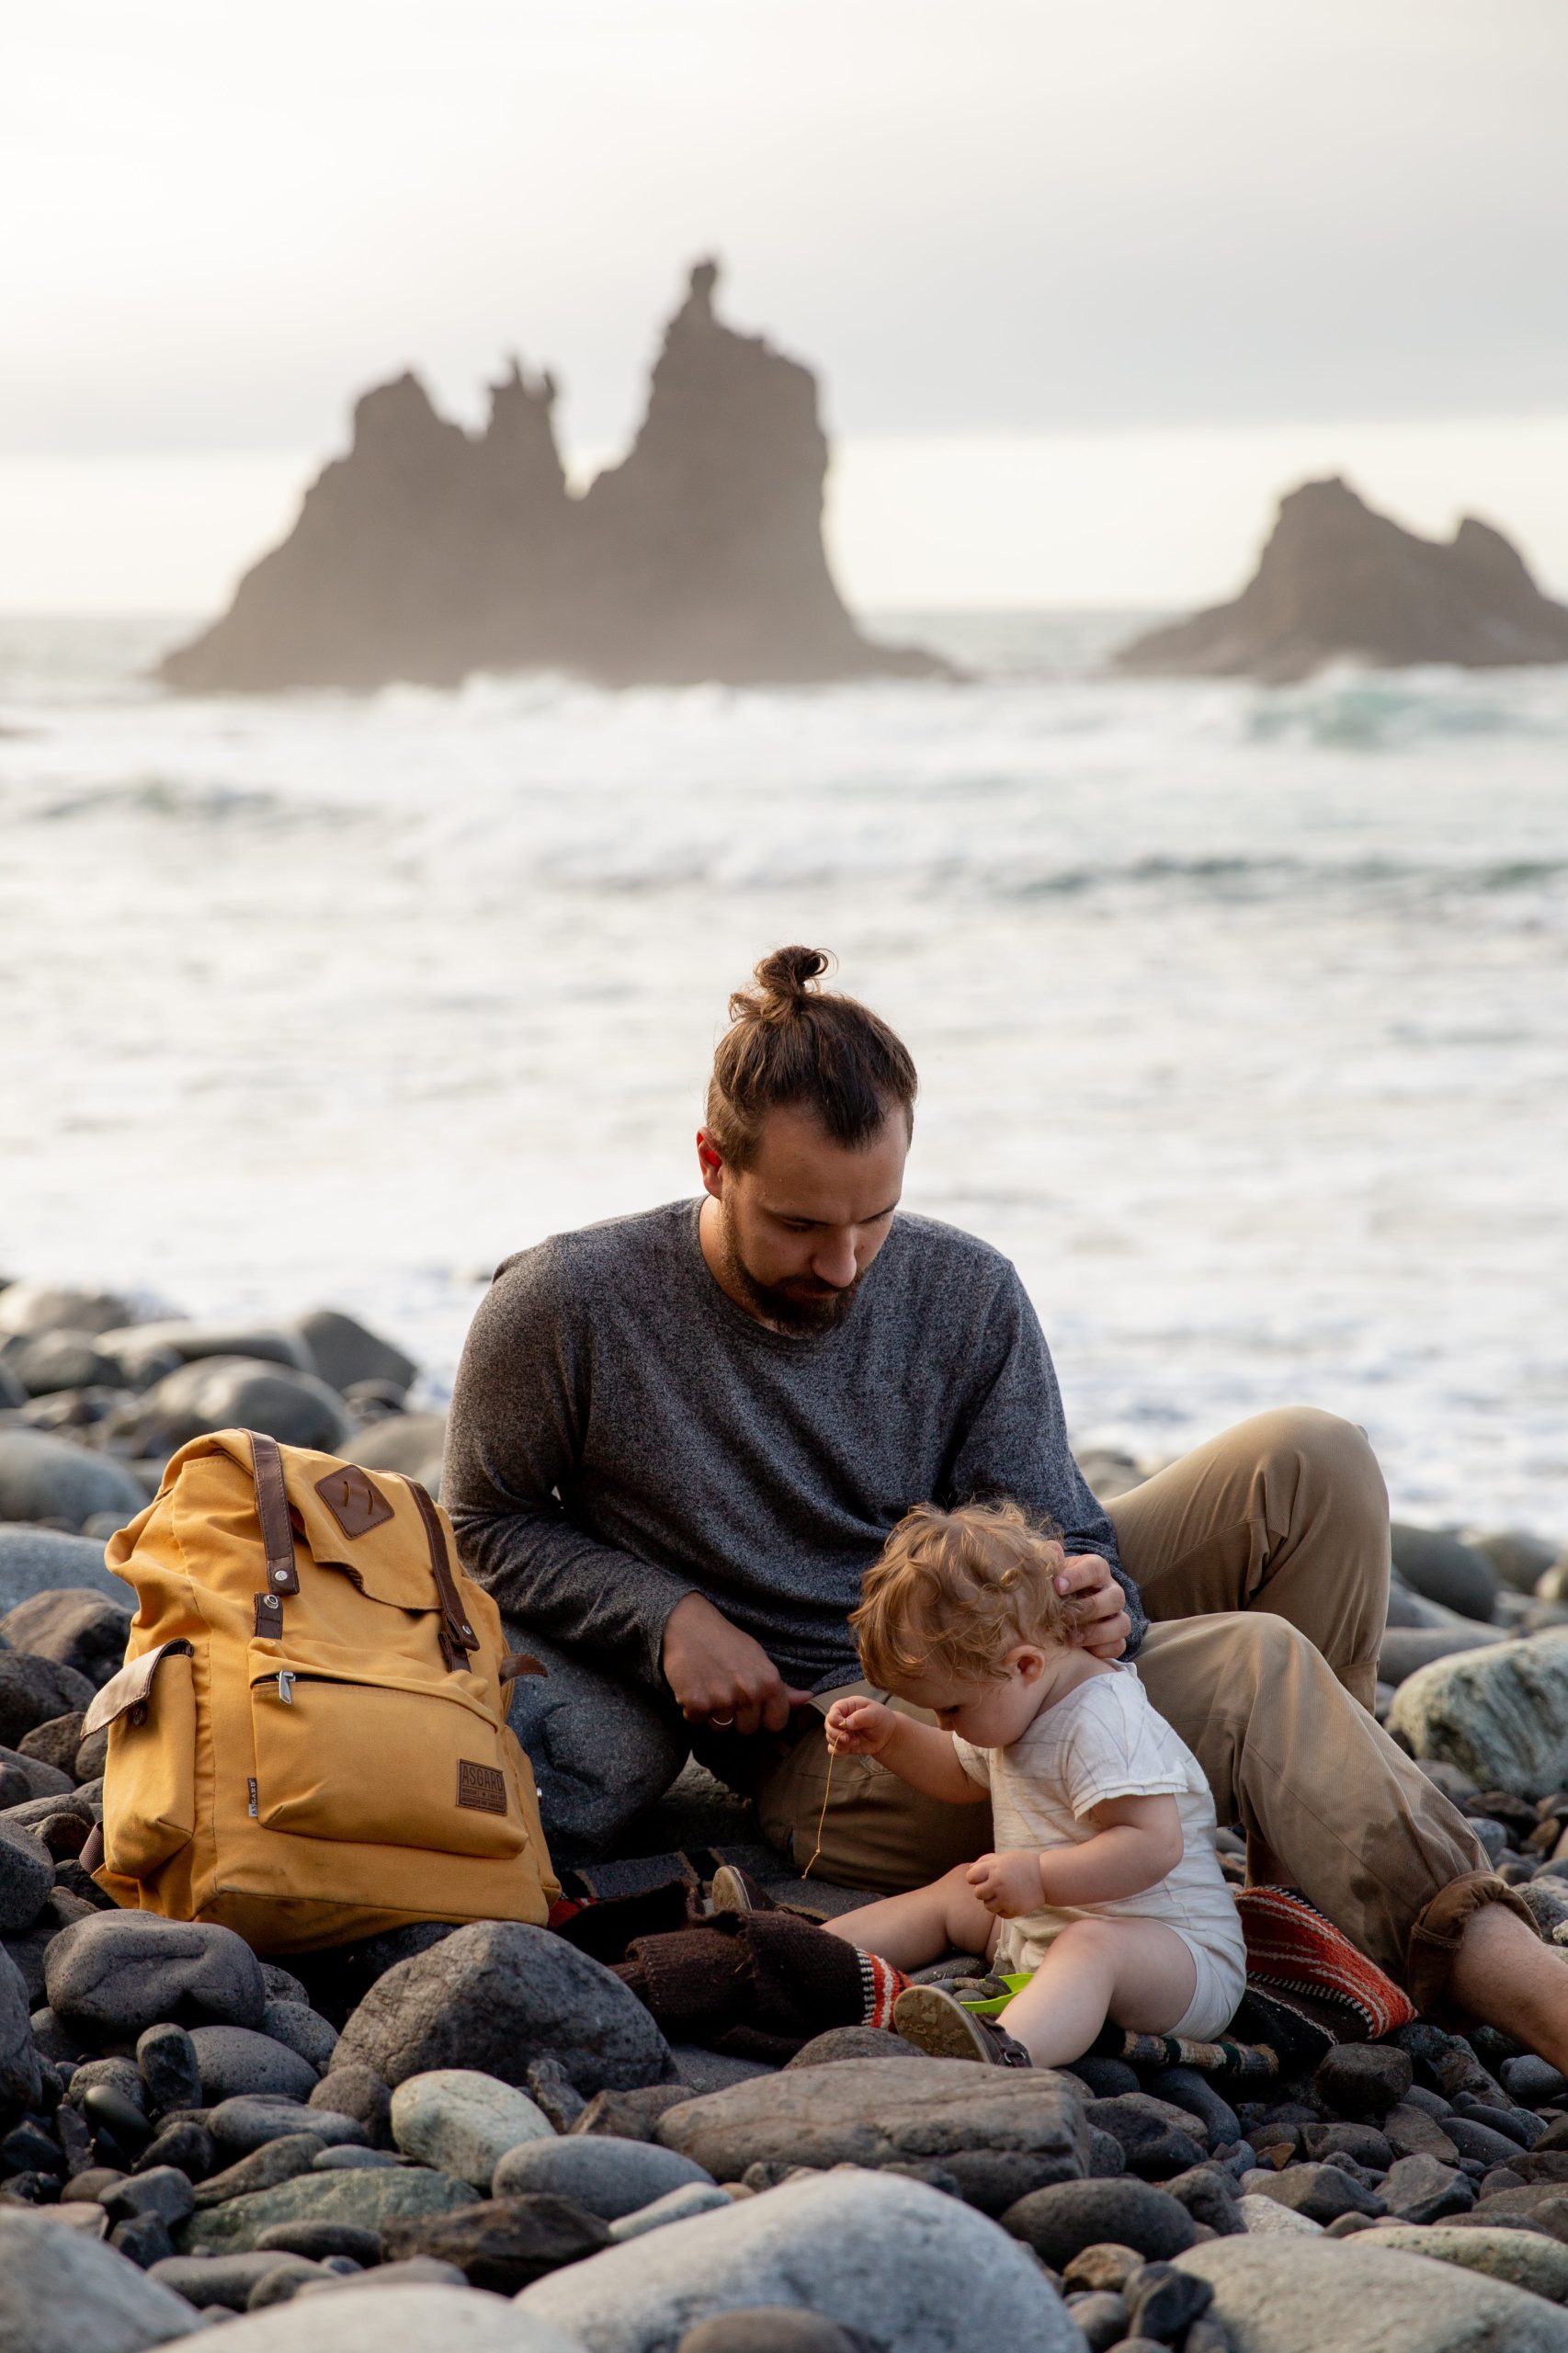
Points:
(933, 2022)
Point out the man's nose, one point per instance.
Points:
(834, 1259)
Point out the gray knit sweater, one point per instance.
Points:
(622, 1434)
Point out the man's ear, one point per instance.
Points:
(710, 1162)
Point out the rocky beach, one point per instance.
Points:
(489, 2120)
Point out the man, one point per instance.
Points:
(678, 1439)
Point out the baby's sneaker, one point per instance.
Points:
(733, 1889)
(935, 2023)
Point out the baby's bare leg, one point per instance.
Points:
(910, 1930)
(1137, 1972)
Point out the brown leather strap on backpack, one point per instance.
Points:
(272, 1510)
(458, 1637)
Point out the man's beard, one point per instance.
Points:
(785, 1307)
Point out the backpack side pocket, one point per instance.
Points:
(149, 1779)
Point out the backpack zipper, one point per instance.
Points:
(286, 1687)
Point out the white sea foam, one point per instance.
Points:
(1241, 1013)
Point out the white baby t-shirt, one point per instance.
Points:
(1105, 1740)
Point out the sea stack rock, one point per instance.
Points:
(428, 553)
(1336, 580)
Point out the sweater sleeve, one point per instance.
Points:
(514, 1446)
(1012, 1439)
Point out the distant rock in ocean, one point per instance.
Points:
(428, 553)
(1335, 580)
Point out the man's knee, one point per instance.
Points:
(601, 1750)
(1337, 1455)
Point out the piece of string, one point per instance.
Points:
(827, 1793)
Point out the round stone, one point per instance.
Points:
(464, 2122)
(610, 2177)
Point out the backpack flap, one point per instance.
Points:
(379, 1532)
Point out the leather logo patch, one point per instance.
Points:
(481, 1788)
(354, 1501)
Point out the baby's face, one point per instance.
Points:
(993, 1713)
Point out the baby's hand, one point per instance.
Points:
(1007, 1884)
(859, 1727)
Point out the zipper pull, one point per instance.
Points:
(286, 1687)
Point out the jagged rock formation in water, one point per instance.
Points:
(428, 553)
(1336, 580)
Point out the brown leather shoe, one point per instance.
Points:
(938, 2025)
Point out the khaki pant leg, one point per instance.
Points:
(876, 1832)
(1311, 1778)
(1286, 1513)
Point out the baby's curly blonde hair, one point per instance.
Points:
(955, 1591)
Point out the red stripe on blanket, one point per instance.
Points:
(1290, 1944)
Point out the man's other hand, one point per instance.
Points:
(1105, 1624)
(720, 1675)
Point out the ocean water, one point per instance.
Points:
(1241, 1013)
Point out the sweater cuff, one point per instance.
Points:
(660, 1593)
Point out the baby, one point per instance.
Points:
(1104, 1880)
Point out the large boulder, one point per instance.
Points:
(242, 1392)
(1300, 2293)
(495, 1997)
(43, 1560)
(46, 1478)
(1337, 580)
(895, 2260)
(996, 2129)
(1499, 1714)
(84, 1631)
(118, 1972)
(62, 2291)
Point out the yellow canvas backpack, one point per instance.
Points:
(308, 1741)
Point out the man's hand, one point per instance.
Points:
(720, 1675)
(859, 1727)
(1105, 1624)
(1007, 1884)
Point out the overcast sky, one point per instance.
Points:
(1062, 247)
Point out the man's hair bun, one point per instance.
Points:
(783, 979)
